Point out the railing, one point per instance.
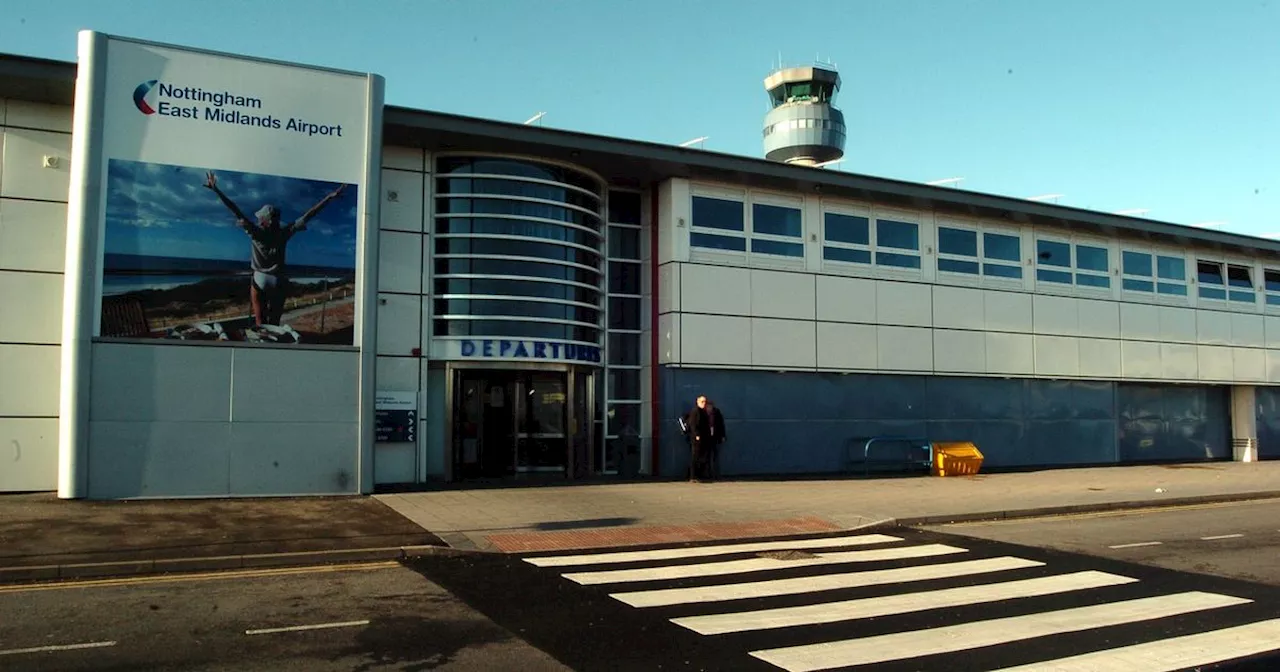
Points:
(912, 444)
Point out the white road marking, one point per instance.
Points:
(700, 551)
(812, 584)
(57, 647)
(1222, 536)
(756, 565)
(1141, 543)
(1177, 653)
(298, 628)
(917, 643)
(871, 607)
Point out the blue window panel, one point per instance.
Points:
(1139, 285)
(1239, 277)
(898, 235)
(1171, 268)
(1271, 280)
(1089, 258)
(1085, 280)
(1045, 275)
(1209, 273)
(775, 220)
(777, 247)
(1136, 263)
(1001, 247)
(1171, 289)
(1002, 271)
(1213, 293)
(899, 260)
(717, 213)
(1244, 297)
(1173, 422)
(624, 207)
(711, 241)
(954, 266)
(958, 242)
(1273, 300)
(846, 255)
(847, 229)
(1050, 253)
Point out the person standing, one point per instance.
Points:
(268, 287)
(701, 424)
(718, 436)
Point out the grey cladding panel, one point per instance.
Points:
(160, 383)
(282, 385)
(282, 458)
(158, 459)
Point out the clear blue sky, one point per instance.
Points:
(1169, 105)
(158, 210)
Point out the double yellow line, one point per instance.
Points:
(199, 576)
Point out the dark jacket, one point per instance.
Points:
(718, 423)
(707, 426)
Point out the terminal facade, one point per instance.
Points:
(547, 303)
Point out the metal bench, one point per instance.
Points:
(913, 444)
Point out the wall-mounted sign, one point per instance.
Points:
(212, 168)
(396, 417)
(493, 348)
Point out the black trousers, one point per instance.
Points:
(700, 463)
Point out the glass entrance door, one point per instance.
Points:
(483, 424)
(542, 417)
(523, 422)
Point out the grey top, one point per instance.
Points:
(269, 244)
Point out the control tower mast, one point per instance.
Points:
(803, 127)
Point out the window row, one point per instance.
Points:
(624, 312)
(515, 329)
(517, 227)
(509, 247)
(721, 224)
(462, 205)
(502, 187)
(463, 165)
(853, 240)
(797, 124)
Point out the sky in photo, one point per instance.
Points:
(159, 210)
(1167, 106)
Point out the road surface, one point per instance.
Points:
(374, 616)
(890, 601)
(1238, 540)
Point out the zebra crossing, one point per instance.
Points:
(857, 600)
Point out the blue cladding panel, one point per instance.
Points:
(1168, 422)
(813, 422)
(1268, 400)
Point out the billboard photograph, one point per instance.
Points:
(192, 253)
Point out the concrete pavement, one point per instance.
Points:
(43, 537)
(521, 519)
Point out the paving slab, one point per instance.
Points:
(524, 519)
(41, 529)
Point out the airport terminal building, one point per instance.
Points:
(472, 300)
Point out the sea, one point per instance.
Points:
(124, 273)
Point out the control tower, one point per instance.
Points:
(803, 127)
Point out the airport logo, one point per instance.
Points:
(140, 97)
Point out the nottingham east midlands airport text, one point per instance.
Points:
(215, 109)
